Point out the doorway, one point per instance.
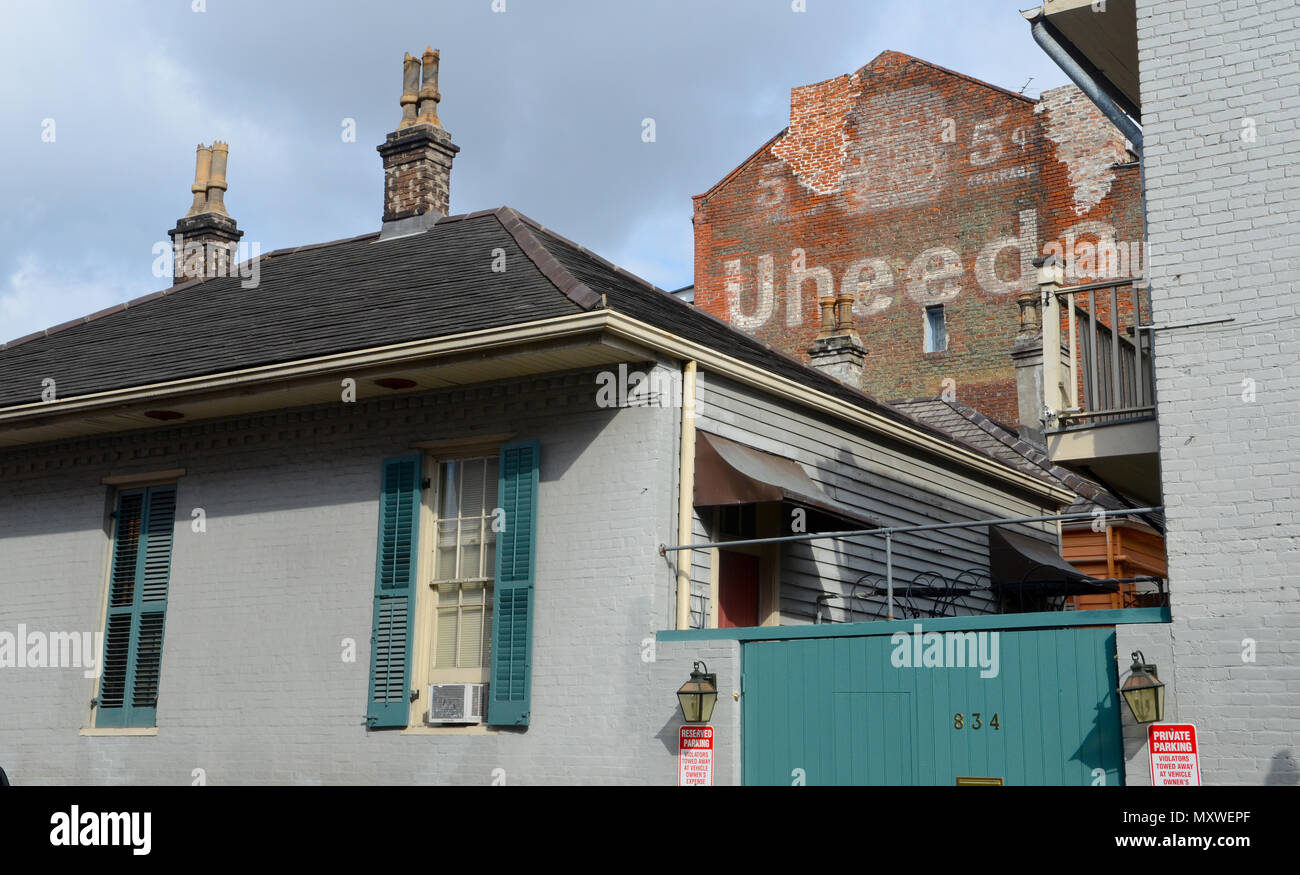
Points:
(738, 589)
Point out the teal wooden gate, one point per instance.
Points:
(842, 710)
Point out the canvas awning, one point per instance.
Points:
(728, 473)
(1021, 564)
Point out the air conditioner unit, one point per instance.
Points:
(457, 703)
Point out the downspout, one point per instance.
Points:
(1045, 36)
(686, 495)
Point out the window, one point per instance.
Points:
(936, 332)
(467, 533)
(463, 568)
(137, 607)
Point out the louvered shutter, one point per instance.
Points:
(137, 607)
(513, 602)
(394, 617)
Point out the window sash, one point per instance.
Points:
(936, 333)
(462, 576)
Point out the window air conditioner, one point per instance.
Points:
(457, 703)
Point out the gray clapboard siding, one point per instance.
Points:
(877, 476)
(700, 590)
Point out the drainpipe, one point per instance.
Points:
(1046, 38)
(686, 495)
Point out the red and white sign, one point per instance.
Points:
(695, 756)
(1174, 760)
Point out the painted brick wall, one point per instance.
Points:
(254, 688)
(907, 185)
(1220, 82)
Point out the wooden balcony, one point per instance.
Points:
(1099, 392)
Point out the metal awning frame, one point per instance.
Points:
(889, 532)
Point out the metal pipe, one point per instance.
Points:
(1074, 355)
(1116, 390)
(895, 530)
(889, 572)
(686, 493)
(1045, 36)
(1093, 403)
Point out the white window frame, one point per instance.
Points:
(470, 675)
(930, 345)
(426, 598)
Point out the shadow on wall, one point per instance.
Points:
(1284, 772)
(1091, 752)
(669, 734)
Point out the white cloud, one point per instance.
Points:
(37, 296)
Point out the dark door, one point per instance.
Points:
(737, 589)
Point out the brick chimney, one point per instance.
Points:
(418, 155)
(205, 240)
(837, 349)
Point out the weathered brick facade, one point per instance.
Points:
(908, 185)
(417, 172)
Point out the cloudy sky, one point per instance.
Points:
(102, 104)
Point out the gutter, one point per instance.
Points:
(611, 322)
(621, 325)
(1095, 87)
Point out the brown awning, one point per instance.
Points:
(730, 473)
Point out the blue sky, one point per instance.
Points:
(545, 99)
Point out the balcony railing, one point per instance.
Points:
(1104, 372)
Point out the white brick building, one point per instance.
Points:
(1216, 84)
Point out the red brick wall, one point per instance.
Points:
(909, 185)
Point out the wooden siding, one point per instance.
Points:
(879, 477)
(837, 711)
(1120, 551)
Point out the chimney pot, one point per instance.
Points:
(429, 95)
(202, 169)
(217, 179)
(417, 155)
(837, 350)
(410, 90)
(844, 316)
(206, 239)
(827, 305)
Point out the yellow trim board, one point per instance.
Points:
(121, 731)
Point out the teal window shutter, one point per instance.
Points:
(513, 608)
(393, 631)
(137, 607)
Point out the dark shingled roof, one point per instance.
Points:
(310, 301)
(365, 292)
(997, 440)
(361, 293)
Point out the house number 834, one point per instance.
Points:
(976, 721)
